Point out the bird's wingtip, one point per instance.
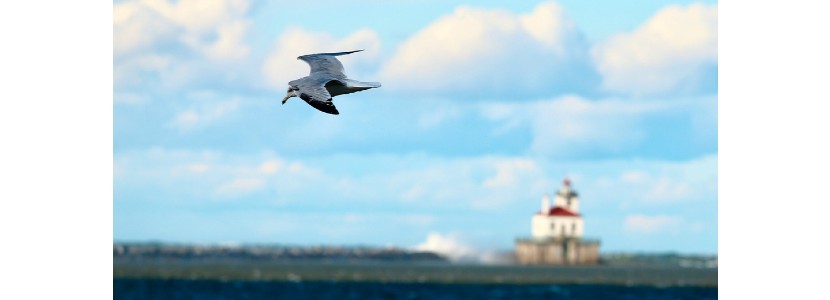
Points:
(330, 53)
(348, 52)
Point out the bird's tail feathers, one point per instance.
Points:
(361, 84)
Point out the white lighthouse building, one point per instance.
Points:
(557, 233)
(560, 220)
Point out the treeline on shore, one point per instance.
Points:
(170, 251)
(150, 251)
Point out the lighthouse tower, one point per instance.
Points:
(560, 220)
(556, 233)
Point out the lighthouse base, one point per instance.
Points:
(561, 251)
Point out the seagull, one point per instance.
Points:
(326, 80)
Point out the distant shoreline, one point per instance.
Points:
(432, 272)
(389, 264)
(156, 250)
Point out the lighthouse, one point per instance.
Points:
(562, 219)
(557, 232)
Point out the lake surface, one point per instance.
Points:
(235, 279)
(246, 289)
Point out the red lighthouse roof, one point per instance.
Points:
(560, 211)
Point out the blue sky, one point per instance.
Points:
(484, 108)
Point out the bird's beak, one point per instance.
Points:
(285, 99)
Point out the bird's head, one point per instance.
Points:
(292, 92)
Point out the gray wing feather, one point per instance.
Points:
(318, 97)
(326, 64)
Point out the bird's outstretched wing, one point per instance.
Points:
(326, 64)
(318, 97)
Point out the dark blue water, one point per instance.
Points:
(215, 289)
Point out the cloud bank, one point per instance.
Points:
(172, 45)
(676, 51)
(493, 53)
(578, 127)
(214, 28)
(652, 224)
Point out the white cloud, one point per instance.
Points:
(271, 166)
(418, 219)
(174, 44)
(549, 25)
(212, 174)
(510, 172)
(128, 98)
(637, 185)
(652, 224)
(137, 26)
(282, 66)
(413, 193)
(263, 174)
(375, 197)
(197, 167)
(672, 182)
(571, 126)
(131, 71)
(364, 219)
(514, 177)
(675, 50)
(239, 186)
(483, 184)
(204, 114)
(476, 183)
(230, 42)
(492, 53)
(215, 28)
(634, 177)
(666, 189)
(437, 116)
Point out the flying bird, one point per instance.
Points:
(326, 80)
